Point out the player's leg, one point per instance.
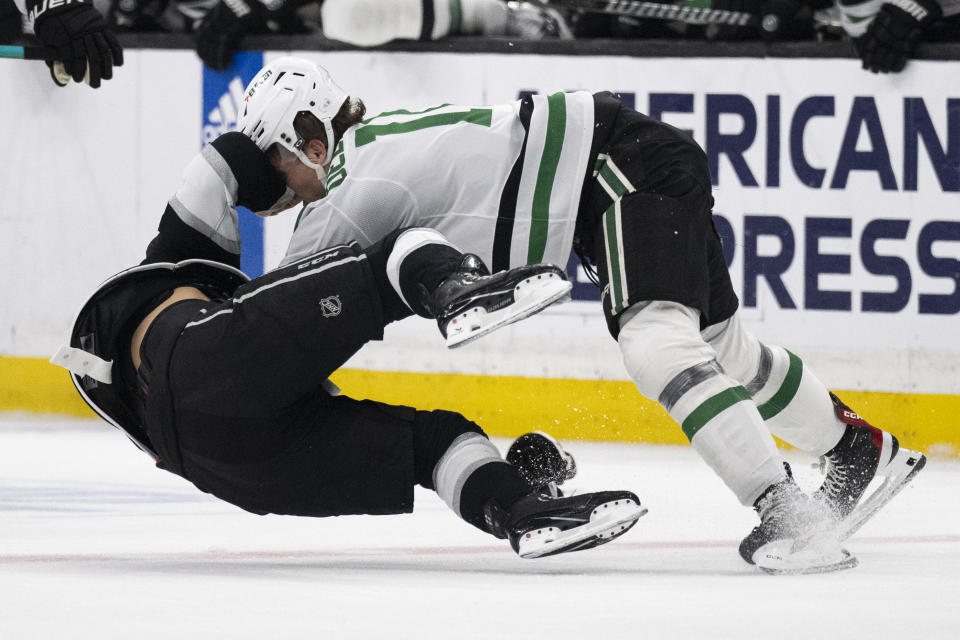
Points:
(669, 362)
(436, 281)
(655, 280)
(657, 292)
(799, 409)
(339, 456)
(281, 335)
(466, 470)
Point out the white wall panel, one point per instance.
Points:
(85, 174)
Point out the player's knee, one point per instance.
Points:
(739, 352)
(433, 434)
(659, 342)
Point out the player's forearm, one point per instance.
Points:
(176, 241)
(201, 219)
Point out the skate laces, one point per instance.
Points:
(785, 510)
(850, 467)
(836, 477)
(773, 505)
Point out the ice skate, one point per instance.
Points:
(796, 534)
(542, 462)
(863, 453)
(539, 525)
(471, 303)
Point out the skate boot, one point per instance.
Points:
(539, 525)
(795, 534)
(863, 453)
(542, 462)
(471, 303)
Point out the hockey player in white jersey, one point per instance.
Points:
(524, 182)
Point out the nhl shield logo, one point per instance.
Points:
(331, 306)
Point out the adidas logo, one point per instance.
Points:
(223, 117)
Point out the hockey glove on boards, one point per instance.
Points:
(894, 33)
(85, 48)
(219, 35)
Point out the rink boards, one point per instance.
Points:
(836, 196)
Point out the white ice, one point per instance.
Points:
(96, 543)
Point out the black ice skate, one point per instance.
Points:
(471, 303)
(863, 453)
(539, 525)
(543, 464)
(796, 534)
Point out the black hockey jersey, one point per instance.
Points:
(197, 244)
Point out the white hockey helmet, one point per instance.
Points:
(278, 93)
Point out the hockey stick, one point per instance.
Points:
(661, 11)
(26, 53)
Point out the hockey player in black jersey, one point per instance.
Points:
(224, 381)
(525, 182)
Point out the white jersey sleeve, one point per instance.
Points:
(502, 182)
(370, 23)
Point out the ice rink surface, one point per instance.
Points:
(96, 543)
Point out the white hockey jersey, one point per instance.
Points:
(502, 182)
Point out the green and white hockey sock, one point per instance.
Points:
(794, 403)
(669, 362)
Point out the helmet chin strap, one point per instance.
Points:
(321, 169)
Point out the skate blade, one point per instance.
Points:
(532, 295)
(608, 521)
(901, 470)
(781, 558)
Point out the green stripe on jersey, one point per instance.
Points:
(711, 408)
(552, 146)
(370, 132)
(615, 271)
(609, 175)
(456, 16)
(787, 390)
(404, 112)
(337, 171)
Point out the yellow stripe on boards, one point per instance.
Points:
(509, 406)
(608, 410)
(34, 385)
(614, 410)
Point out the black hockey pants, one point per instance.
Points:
(645, 218)
(237, 401)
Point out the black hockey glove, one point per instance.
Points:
(221, 30)
(894, 33)
(81, 38)
(10, 21)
